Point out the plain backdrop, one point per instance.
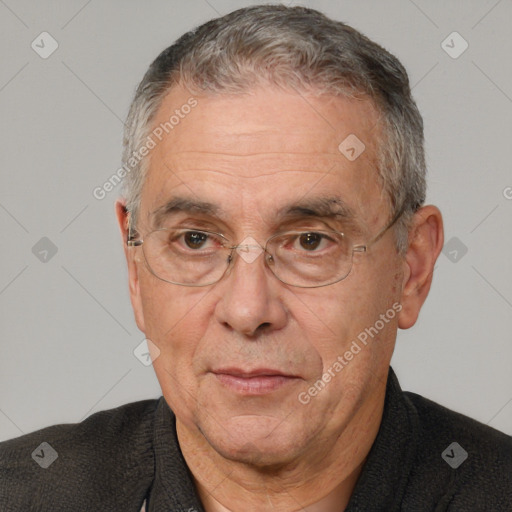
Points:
(67, 330)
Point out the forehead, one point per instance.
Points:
(263, 148)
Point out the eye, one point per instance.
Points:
(313, 241)
(195, 239)
(304, 242)
(310, 241)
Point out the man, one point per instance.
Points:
(276, 239)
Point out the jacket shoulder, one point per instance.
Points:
(107, 459)
(471, 461)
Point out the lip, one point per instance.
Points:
(258, 381)
(255, 372)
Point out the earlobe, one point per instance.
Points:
(425, 243)
(122, 215)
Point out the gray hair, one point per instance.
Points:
(291, 48)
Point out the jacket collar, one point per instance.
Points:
(173, 488)
(380, 487)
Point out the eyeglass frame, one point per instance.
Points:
(138, 242)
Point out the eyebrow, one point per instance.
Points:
(326, 207)
(321, 207)
(183, 204)
(333, 207)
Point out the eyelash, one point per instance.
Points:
(195, 224)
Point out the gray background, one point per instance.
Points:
(67, 330)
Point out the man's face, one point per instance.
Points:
(239, 359)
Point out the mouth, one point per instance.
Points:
(258, 381)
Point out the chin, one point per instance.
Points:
(260, 441)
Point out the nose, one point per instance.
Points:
(251, 300)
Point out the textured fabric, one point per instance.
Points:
(115, 460)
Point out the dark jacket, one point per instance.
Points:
(115, 459)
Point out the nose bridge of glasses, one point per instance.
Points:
(249, 249)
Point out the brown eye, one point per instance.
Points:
(195, 239)
(310, 241)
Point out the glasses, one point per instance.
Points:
(197, 257)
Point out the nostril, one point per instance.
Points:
(264, 326)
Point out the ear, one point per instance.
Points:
(426, 240)
(132, 255)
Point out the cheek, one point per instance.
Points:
(351, 311)
(175, 322)
(357, 344)
(175, 317)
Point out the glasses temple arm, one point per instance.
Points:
(132, 241)
(377, 237)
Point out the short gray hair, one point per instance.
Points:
(291, 48)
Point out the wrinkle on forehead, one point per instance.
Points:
(256, 164)
(265, 149)
(266, 120)
(226, 179)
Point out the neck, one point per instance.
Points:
(321, 481)
(274, 495)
